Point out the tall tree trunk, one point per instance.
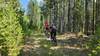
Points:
(69, 16)
(86, 17)
(98, 17)
(93, 21)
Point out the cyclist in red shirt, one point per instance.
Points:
(46, 26)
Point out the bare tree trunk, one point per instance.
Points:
(93, 21)
(61, 18)
(66, 15)
(98, 17)
(86, 17)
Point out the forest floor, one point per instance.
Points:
(68, 45)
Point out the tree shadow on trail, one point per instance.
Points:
(72, 42)
(39, 46)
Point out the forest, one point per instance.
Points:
(23, 33)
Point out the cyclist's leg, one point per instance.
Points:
(54, 38)
(47, 33)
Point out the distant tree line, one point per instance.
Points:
(72, 15)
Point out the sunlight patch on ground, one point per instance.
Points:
(0, 47)
(67, 47)
(61, 38)
(36, 46)
(36, 42)
(45, 45)
(27, 48)
(66, 35)
(28, 42)
(42, 38)
(55, 47)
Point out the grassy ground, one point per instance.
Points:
(38, 45)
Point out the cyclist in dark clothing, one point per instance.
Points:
(53, 34)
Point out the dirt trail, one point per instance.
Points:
(68, 45)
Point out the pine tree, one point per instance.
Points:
(10, 29)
